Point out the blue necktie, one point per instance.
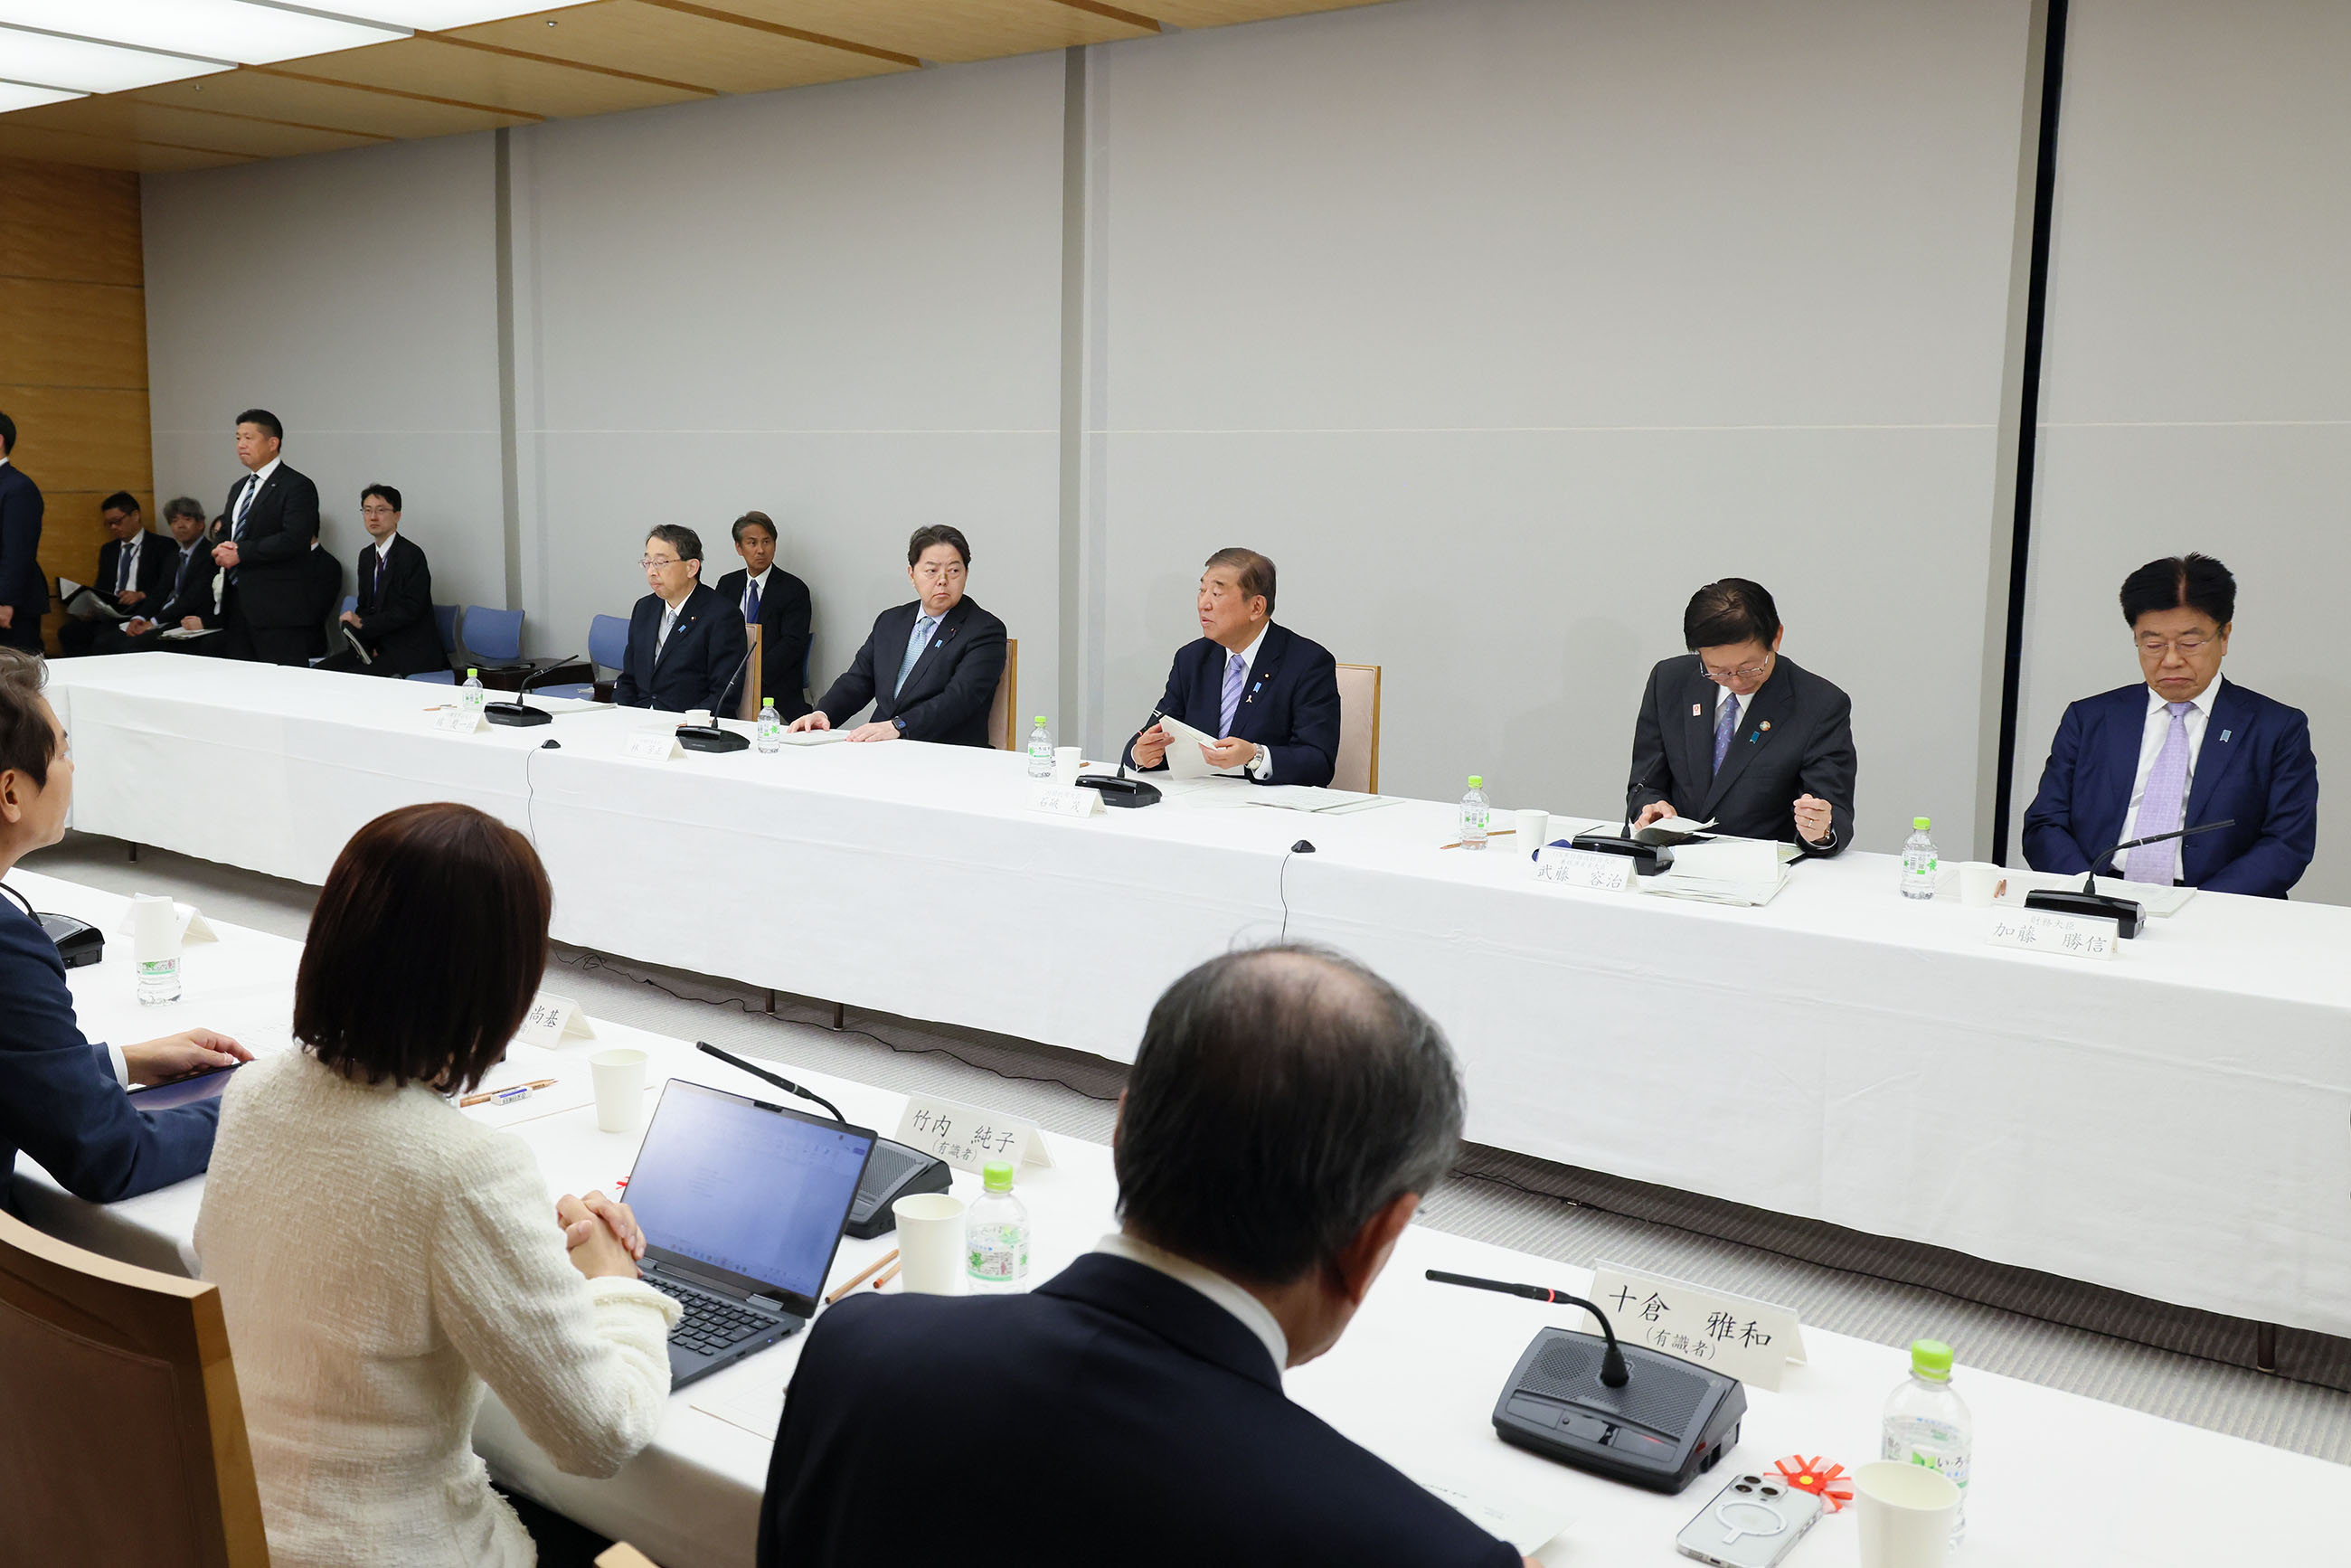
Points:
(1723, 726)
(750, 600)
(1235, 671)
(924, 626)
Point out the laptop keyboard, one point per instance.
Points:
(711, 1323)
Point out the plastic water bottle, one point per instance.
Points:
(470, 694)
(1474, 815)
(996, 1233)
(1040, 750)
(771, 727)
(1927, 1423)
(1920, 867)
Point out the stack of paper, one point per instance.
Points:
(1745, 872)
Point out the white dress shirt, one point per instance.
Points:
(2150, 743)
(1252, 1313)
(1261, 765)
(240, 508)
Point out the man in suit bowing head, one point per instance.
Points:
(686, 647)
(1270, 696)
(929, 668)
(2180, 748)
(1734, 732)
(270, 606)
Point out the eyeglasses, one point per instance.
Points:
(1744, 673)
(2186, 648)
(653, 561)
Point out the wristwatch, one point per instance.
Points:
(901, 725)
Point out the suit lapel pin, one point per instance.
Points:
(1695, 710)
(1767, 727)
(2224, 737)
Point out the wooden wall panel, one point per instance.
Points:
(73, 350)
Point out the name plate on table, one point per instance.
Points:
(1749, 1340)
(1584, 868)
(459, 720)
(653, 746)
(552, 1020)
(2067, 936)
(1064, 799)
(967, 1137)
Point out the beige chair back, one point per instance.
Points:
(1358, 766)
(1003, 729)
(749, 707)
(620, 1554)
(120, 1433)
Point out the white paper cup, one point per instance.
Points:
(1534, 831)
(1980, 882)
(1907, 1512)
(1065, 765)
(698, 716)
(930, 1243)
(619, 1075)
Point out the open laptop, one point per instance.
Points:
(742, 1204)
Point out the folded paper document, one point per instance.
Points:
(1184, 759)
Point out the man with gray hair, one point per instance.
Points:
(1285, 1113)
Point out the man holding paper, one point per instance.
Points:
(1263, 700)
(1734, 733)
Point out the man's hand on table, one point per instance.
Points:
(179, 1055)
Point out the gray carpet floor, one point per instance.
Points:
(1503, 1198)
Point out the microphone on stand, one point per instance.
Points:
(1647, 860)
(2127, 914)
(1118, 789)
(519, 712)
(715, 737)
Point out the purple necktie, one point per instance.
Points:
(1723, 726)
(1235, 671)
(2160, 805)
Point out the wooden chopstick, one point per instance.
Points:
(1497, 833)
(889, 1257)
(888, 1276)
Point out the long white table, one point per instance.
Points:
(2176, 1124)
(2058, 1480)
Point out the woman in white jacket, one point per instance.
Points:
(382, 1256)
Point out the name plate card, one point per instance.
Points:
(552, 1020)
(1749, 1340)
(967, 1137)
(2067, 936)
(1064, 799)
(653, 746)
(1584, 867)
(459, 719)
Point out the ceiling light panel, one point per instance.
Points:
(51, 61)
(433, 16)
(216, 29)
(13, 96)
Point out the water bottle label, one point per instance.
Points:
(160, 969)
(1930, 1444)
(999, 1252)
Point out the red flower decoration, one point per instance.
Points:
(1823, 1479)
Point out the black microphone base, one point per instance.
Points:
(710, 738)
(1123, 792)
(517, 714)
(1677, 1423)
(2127, 914)
(1647, 860)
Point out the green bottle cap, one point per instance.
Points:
(473, 674)
(997, 1175)
(1040, 720)
(1475, 782)
(1921, 823)
(767, 702)
(1931, 1358)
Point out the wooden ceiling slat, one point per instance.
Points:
(945, 30)
(1225, 12)
(273, 95)
(683, 45)
(105, 152)
(486, 78)
(134, 120)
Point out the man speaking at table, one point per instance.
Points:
(269, 605)
(1270, 696)
(1734, 733)
(929, 668)
(1286, 1113)
(2182, 746)
(686, 647)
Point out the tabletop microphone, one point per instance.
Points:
(1647, 860)
(713, 736)
(1613, 1372)
(2127, 914)
(1118, 789)
(519, 712)
(778, 1079)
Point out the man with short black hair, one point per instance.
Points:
(269, 605)
(686, 648)
(1286, 1113)
(2181, 747)
(393, 613)
(24, 591)
(777, 602)
(133, 567)
(1734, 733)
(1271, 696)
(929, 668)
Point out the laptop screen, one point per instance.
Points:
(759, 1192)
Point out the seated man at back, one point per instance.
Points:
(1286, 1113)
(929, 668)
(777, 602)
(133, 566)
(2179, 747)
(191, 602)
(391, 613)
(686, 647)
(1270, 696)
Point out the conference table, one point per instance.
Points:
(2058, 1480)
(2175, 1122)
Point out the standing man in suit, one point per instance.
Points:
(929, 668)
(133, 567)
(1271, 695)
(686, 648)
(61, 1097)
(1734, 732)
(190, 597)
(2182, 748)
(777, 603)
(1287, 1111)
(270, 605)
(23, 591)
(393, 616)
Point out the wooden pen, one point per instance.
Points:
(862, 1275)
(487, 1095)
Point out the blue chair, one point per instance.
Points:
(608, 644)
(445, 621)
(492, 635)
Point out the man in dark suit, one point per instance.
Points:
(777, 603)
(23, 591)
(61, 1097)
(133, 568)
(2182, 747)
(686, 648)
(929, 668)
(1733, 732)
(270, 607)
(1271, 696)
(190, 599)
(1285, 1113)
(393, 617)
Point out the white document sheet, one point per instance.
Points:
(1184, 759)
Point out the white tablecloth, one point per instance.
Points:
(2058, 1480)
(2177, 1123)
